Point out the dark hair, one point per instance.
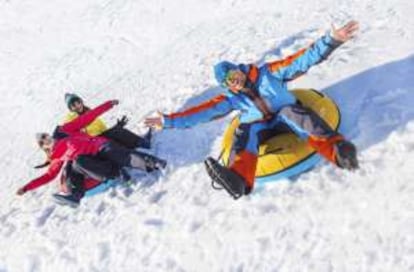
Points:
(70, 98)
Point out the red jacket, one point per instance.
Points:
(75, 144)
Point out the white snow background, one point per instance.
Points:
(158, 55)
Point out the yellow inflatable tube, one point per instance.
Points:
(284, 154)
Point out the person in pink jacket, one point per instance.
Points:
(70, 144)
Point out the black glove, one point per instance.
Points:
(122, 122)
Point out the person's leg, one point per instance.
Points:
(124, 157)
(127, 138)
(309, 126)
(304, 122)
(74, 180)
(63, 186)
(75, 184)
(238, 178)
(245, 149)
(96, 168)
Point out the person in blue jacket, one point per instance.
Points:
(262, 97)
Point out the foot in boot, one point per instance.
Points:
(125, 177)
(229, 180)
(70, 200)
(346, 155)
(152, 163)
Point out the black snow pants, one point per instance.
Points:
(110, 161)
(126, 138)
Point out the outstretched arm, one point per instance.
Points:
(300, 62)
(88, 117)
(212, 109)
(51, 173)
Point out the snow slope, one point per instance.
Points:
(158, 55)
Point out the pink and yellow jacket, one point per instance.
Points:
(74, 143)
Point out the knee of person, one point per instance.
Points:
(294, 111)
(242, 129)
(79, 162)
(287, 110)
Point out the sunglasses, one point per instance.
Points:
(231, 77)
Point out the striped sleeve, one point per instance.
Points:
(212, 109)
(300, 62)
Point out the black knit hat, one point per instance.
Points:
(70, 98)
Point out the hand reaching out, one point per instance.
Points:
(122, 122)
(20, 192)
(154, 122)
(345, 32)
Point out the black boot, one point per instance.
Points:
(151, 162)
(74, 180)
(346, 155)
(72, 200)
(125, 177)
(227, 179)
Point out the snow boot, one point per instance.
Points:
(227, 179)
(72, 200)
(125, 178)
(346, 155)
(153, 163)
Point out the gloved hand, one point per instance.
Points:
(122, 122)
(155, 122)
(21, 191)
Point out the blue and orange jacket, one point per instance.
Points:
(270, 80)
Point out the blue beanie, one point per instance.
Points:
(221, 69)
(70, 97)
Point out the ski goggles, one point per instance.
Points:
(230, 77)
(234, 78)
